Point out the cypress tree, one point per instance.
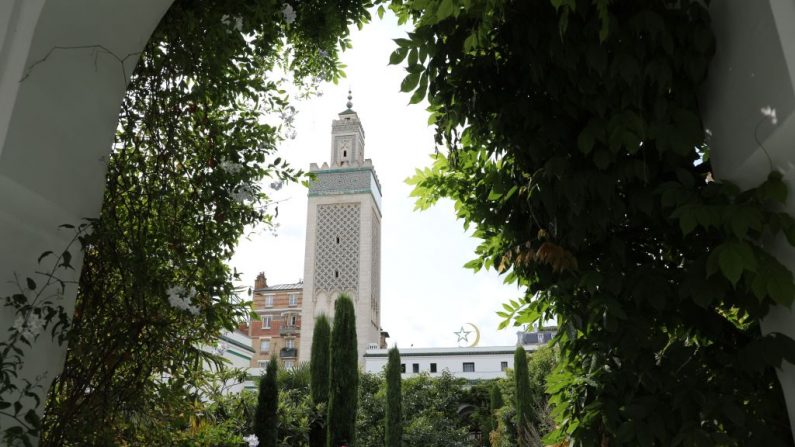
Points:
(343, 377)
(265, 417)
(523, 398)
(495, 398)
(319, 370)
(393, 431)
(495, 403)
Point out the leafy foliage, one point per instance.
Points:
(266, 420)
(197, 131)
(343, 375)
(429, 408)
(575, 150)
(393, 415)
(320, 377)
(522, 397)
(37, 311)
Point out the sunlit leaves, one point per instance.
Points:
(571, 141)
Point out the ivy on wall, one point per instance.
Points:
(204, 113)
(576, 150)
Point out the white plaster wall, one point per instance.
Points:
(487, 361)
(753, 68)
(58, 113)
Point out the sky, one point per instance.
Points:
(426, 293)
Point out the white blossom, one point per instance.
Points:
(770, 113)
(288, 115)
(19, 323)
(289, 13)
(253, 440)
(29, 328)
(226, 20)
(181, 299)
(230, 166)
(244, 194)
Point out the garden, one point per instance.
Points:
(570, 137)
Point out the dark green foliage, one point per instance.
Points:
(393, 429)
(371, 412)
(321, 339)
(495, 398)
(195, 139)
(523, 398)
(266, 422)
(429, 411)
(344, 376)
(495, 403)
(576, 149)
(198, 131)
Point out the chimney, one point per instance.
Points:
(261, 282)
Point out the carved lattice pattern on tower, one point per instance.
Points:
(337, 248)
(376, 267)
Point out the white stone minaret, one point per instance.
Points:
(343, 236)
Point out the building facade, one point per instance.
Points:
(278, 331)
(343, 236)
(477, 363)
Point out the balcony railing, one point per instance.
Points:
(288, 353)
(287, 329)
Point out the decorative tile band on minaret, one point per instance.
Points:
(343, 241)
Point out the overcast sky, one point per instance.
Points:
(426, 294)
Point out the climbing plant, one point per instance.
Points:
(570, 138)
(203, 116)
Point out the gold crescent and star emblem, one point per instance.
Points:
(463, 336)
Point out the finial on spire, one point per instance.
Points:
(350, 98)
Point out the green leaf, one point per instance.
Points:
(735, 257)
(381, 11)
(586, 140)
(601, 159)
(419, 94)
(398, 55)
(410, 82)
(446, 9)
(780, 286)
(31, 284)
(43, 255)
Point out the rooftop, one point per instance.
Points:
(293, 286)
(425, 352)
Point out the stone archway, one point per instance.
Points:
(64, 68)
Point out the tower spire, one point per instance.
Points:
(350, 100)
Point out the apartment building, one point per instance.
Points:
(278, 331)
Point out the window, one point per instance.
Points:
(503, 366)
(290, 343)
(262, 363)
(288, 364)
(291, 320)
(264, 345)
(469, 367)
(415, 368)
(266, 322)
(433, 367)
(293, 299)
(403, 368)
(268, 300)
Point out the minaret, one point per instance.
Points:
(343, 236)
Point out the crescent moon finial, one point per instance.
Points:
(477, 336)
